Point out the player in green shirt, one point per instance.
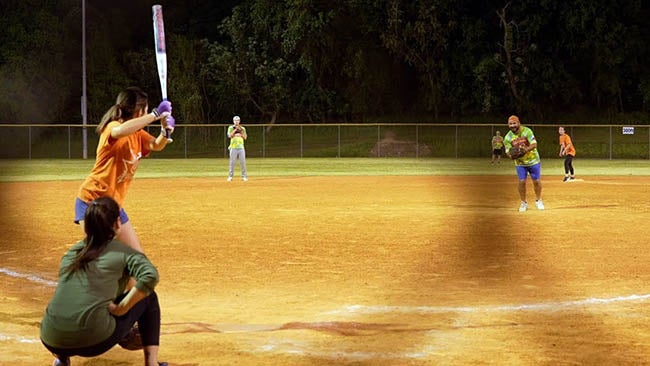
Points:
(237, 134)
(529, 163)
(90, 311)
(497, 147)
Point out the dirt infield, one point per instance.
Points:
(358, 270)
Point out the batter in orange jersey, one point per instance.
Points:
(122, 144)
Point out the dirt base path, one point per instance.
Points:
(358, 270)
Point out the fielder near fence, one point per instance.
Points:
(37, 141)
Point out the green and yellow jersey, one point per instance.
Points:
(497, 142)
(524, 137)
(236, 142)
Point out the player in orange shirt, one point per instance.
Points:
(122, 143)
(569, 152)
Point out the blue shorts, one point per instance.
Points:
(535, 171)
(80, 212)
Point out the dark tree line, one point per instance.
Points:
(338, 60)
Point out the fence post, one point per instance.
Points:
(338, 154)
(263, 142)
(611, 142)
(301, 141)
(185, 138)
(29, 138)
(69, 143)
(378, 141)
(417, 143)
(456, 143)
(225, 143)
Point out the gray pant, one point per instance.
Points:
(237, 154)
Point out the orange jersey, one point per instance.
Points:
(565, 142)
(115, 165)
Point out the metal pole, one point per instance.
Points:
(456, 143)
(69, 143)
(610, 143)
(84, 107)
(378, 141)
(417, 143)
(29, 137)
(225, 142)
(338, 154)
(301, 141)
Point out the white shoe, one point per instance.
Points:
(523, 207)
(539, 204)
(59, 362)
(229, 179)
(245, 179)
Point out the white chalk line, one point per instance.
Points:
(302, 348)
(32, 278)
(549, 306)
(294, 347)
(379, 309)
(19, 339)
(28, 277)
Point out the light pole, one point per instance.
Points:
(84, 108)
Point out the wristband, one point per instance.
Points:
(155, 112)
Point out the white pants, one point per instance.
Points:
(237, 154)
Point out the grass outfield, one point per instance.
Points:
(58, 169)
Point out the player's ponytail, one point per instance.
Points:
(99, 225)
(128, 103)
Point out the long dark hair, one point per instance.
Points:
(99, 225)
(127, 104)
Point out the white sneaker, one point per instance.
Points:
(245, 179)
(229, 179)
(59, 362)
(539, 204)
(523, 207)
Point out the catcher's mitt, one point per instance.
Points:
(517, 152)
(132, 340)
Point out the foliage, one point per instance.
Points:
(334, 61)
(32, 62)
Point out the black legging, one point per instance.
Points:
(568, 164)
(146, 312)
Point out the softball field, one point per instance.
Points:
(420, 268)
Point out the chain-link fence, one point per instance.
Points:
(334, 140)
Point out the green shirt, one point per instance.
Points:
(497, 142)
(525, 137)
(236, 142)
(77, 315)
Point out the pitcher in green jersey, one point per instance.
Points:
(529, 163)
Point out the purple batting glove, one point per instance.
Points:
(170, 122)
(164, 106)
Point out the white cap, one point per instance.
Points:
(236, 118)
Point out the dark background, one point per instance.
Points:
(580, 61)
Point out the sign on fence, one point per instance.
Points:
(628, 130)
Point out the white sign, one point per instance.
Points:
(628, 130)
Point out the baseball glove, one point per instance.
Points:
(517, 152)
(132, 340)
